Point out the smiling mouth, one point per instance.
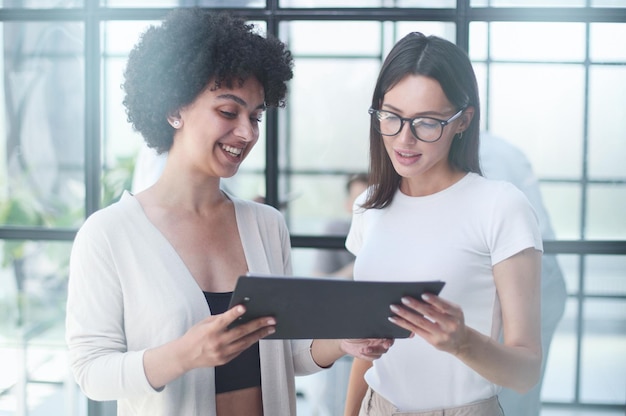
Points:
(235, 151)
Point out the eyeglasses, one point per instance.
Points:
(426, 129)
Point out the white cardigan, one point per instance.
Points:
(129, 291)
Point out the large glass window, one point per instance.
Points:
(182, 3)
(336, 65)
(553, 89)
(43, 130)
(40, 4)
(33, 356)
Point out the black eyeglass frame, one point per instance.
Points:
(443, 123)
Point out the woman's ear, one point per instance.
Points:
(466, 119)
(175, 120)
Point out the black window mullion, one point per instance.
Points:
(272, 142)
(93, 162)
(462, 24)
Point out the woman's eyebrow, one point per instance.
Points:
(430, 113)
(239, 100)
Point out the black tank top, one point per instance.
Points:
(244, 370)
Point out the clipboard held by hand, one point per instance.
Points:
(326, 308)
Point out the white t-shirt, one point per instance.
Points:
(456, 236)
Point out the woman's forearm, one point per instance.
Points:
(514, 367)
(326, 351)
(163, 364)
(357, 387)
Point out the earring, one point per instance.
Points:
(176, 124)
(460, 135)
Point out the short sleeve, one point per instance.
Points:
(354, 240)
(515, 225)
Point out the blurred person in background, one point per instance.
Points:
(339, 263)
(326, 391)
(499, 159)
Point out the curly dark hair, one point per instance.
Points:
(174, 62)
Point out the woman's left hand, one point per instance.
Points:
(368, 349)
(439, 322)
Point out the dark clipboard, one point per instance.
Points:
(326, 308)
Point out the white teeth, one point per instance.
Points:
(405, 154)
(235, 151)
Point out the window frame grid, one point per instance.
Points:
(92, 15)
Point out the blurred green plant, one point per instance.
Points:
(117, 179)
(25, 209)
(21, 208)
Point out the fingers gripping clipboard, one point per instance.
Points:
(326, 308)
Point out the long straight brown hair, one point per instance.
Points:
(437, 58)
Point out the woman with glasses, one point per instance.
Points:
(151, 276)
(430, 215)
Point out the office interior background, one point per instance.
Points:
(552, 76)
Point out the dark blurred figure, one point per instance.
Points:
(339, 263)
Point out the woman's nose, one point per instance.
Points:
(405, 134)
(246, 130)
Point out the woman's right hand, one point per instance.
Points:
(211, 342)
(208, 343)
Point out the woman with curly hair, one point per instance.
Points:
(148, 322)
